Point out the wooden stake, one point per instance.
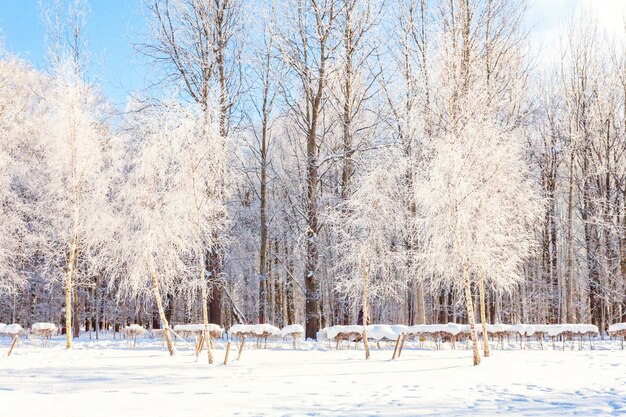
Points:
(227, 353)
(243, 343)
(13, 345)
(395, 351)
(199, 346)
(401, 347)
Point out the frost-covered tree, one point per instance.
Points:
(16, 132)
(74, 138)
(173, 203)
(10, 222)
(371, 228)
(480, 208)
(206, 185)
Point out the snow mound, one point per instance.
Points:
(2, 326)
(134, 328)
(558, 329)
(12, 329)
(197, 328)
(399, 328)
(493, 328)
(333, 331)
(523, 329)
(384, 331)
(292, 329)
(374, 331)
(612, 328)
(498, 328)
(43, 326)
(256, 329)
(450, 328)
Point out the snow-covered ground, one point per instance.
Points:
(106, 378)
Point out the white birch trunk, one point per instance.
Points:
(157, 295)
(470, 315)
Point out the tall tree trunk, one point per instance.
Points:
(554, 273)
(346, 172)
(169, 309)
(483, 313)
(97, 309)
(366, 309)
(291, 302)
(264, 226)
(470, 315)
(263, 249)
(312, 307)
(410, 303)
(420, 304)
(315, 91)
(205, 311)
(570, 243)
(215, 255)
(68, 294)
(595, 286)
(76, 314)
(214, 261)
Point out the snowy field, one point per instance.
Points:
(106, 378)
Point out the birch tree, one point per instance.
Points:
(74, 138)
(481, 203)
(173, 204)
(370, 230)
(16, 135)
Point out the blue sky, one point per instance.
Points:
(113, 25)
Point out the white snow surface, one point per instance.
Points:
(44, 326)
(612, 328)
(12, 329)
(257, 329)
(197, 328)
(103, 378)
(292, 329)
